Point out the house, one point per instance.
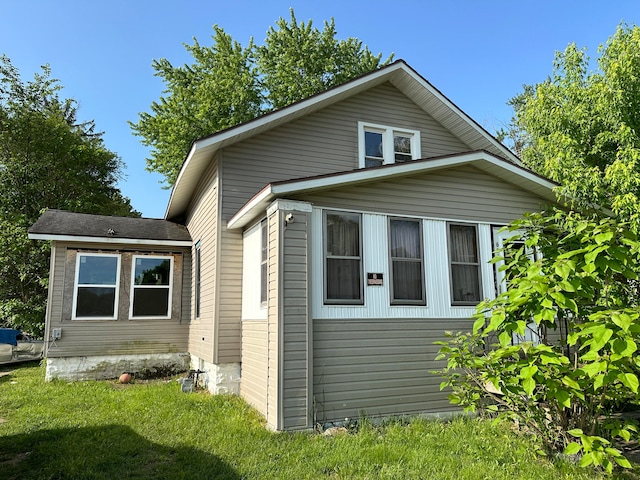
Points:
(308, 259)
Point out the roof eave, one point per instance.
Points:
(486, 161)
(398, 73)
(109, 240)
(204, 148)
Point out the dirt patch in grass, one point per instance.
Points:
(16, 459)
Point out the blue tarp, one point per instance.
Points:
(10, 336)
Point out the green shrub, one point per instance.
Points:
(577, 279)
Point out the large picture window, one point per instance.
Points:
(343, 258)
(464, 264)
(151, 286)
(97, 280)
(407, 270)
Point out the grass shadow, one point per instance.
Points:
(110, 451)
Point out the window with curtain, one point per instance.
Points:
(407, 269)
(464, 264)
(343, 258)
(151, 286)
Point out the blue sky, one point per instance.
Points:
(478, 53)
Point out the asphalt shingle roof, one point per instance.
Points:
(61, 222)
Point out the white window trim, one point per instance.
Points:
(134, 286)
(76, 285)
(377, 298)
(392, 300)
(344, 302)
(251, 307)
(481, 280)
(500, 237)
(387, 141)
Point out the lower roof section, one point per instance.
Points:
(489, 163)
(62, 225)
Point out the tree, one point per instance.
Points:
(581, 290)
(582, 128)
(47, 160)
(229, 84)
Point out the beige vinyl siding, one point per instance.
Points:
(202, 222)
(230, 297)
(123, 335)
(325, 142)
(273, 326)
(253, 384)
(185, 294)
(381, 366)
(55, 290)
(462, 193)
(378, 367)
(56, 282)
(295, 322)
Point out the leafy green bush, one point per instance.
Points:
(577, 278)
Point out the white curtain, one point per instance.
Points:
(406, 258)
(343, 261)
(465, 268)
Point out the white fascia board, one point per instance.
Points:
(180, 175)
(291, 110)
(292, 205)
(466, 118)
(259, 202)
(263, 199)
(524, 173)
(119, 241)
(370, 174)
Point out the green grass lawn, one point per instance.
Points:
(102, 430)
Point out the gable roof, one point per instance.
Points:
(485, 161)
(83, 227)
(399, 74)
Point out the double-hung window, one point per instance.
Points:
(381, 145)
(407, 269)
(511, 245)
(97, 281)
(151, 286)
(343, 258)
(464, 264)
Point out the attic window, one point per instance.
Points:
(382, 145)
